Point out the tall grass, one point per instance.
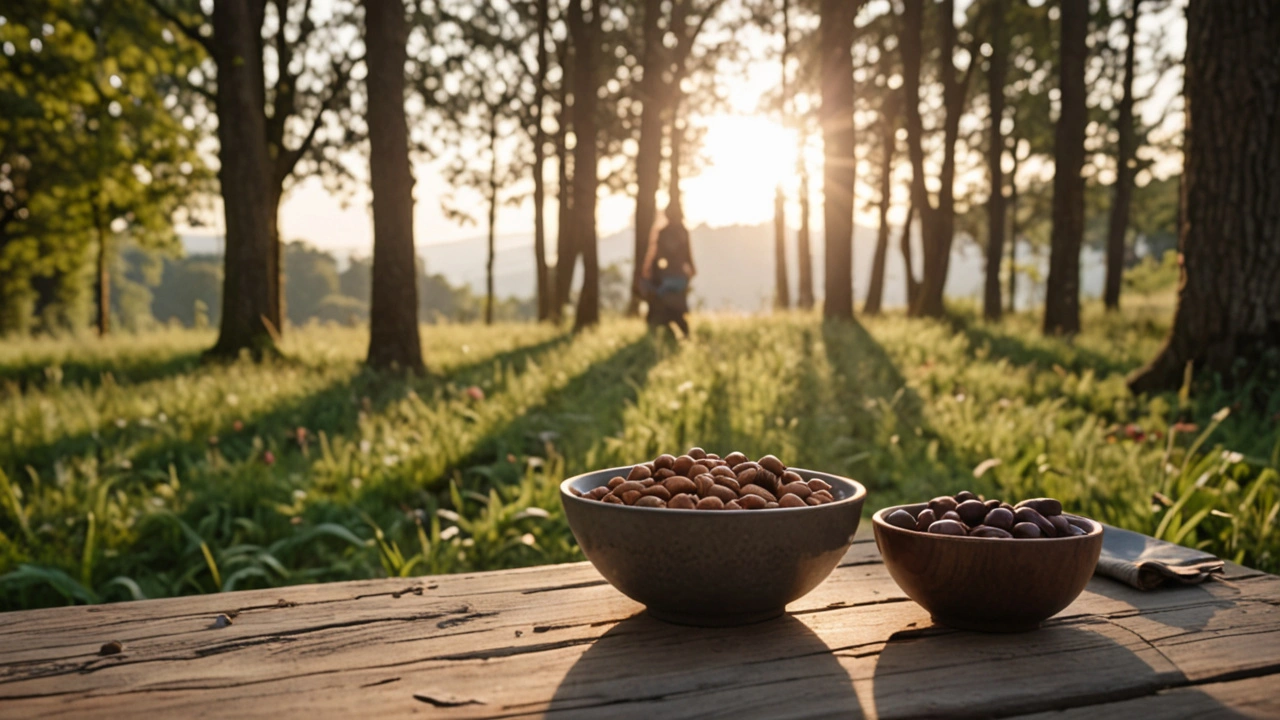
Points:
(129, 470)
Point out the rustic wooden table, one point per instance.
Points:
(559, 640)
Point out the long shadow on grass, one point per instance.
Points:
(891, 448)
(1019, 352)
(93, 372)
(334, 410)
(573, 419)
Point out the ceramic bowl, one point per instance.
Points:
(713, 567)
(986, 584)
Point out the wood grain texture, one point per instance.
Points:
(557, 640)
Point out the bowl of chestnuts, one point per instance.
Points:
(987, 565)
(706, 540)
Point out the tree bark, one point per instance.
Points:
(875, 288)
(493, 216)
(539, 162)
(1013, 233)
(275, 260)
(1228, 315)
(997, 70)
(1123, 191)
(937, 224)
(904, 244)
(566, 247)
(584, 34)
(835, 40)
(393, 312)
(804, 293)
(649, 148)
(781, 288)
(104, 277)
(244, 176)
(1062, 299)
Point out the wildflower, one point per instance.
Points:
(685, 386)
(121, 423)
(268, 457)
(213, 441)
(449, 533)
(237, 426)
(1232, 457)
(301, 435)
(390, 460)
(162, 418)
(1184, 427)
(528, 539)
(475, 393)
(1134, 433)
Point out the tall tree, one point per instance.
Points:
(244, 176)
(1062, 298)
(997, 71)
(1228, 314)
(543, 14)
(584, 33)
(1122, 194)
(668, 40)
(781, 291)
(937, 222)
(908, 270)
(649, 144)
(804, 293)
(393, 310)
(835, 39)
(888, 144)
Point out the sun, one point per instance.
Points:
(748, 155)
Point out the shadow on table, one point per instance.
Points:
(1076, 669)
(646, 668)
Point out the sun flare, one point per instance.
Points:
(747, 156)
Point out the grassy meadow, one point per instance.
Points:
(130, 470)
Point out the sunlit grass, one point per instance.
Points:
(131, 470)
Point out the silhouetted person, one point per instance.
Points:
(668, 267)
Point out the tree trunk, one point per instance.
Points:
(835, 40)
(393, 312)
(1228, 315)
(673, 169)
(649, 148)
(997, 70)
(244, 178)
(904, 244)
(584, 35)
(275, 264)
(804, 298)
(1123, 192)
(104, 278)
(781, 288)
(888, 144)
(1013, 234)
(1062, 299)
(493, 218)
(566, 247)
(539, 162)
(937, 224)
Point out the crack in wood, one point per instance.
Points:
(444, 701)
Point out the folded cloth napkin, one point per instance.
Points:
(1147, 563)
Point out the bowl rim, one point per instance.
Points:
(859, 495)
(879, 523)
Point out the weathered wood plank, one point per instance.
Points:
(558, 639)
(1250, 698)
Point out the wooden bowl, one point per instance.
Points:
(988, 584)
(713, 568)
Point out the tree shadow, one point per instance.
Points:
(334, 410)
(1018, 351)
(93, 372)
(939, 672)
(890, 446)
(646, 668)
(572, 419)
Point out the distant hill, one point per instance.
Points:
(735, 265)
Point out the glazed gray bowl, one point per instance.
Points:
(713, 567)
(988, 584)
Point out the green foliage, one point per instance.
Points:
(130, 470)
